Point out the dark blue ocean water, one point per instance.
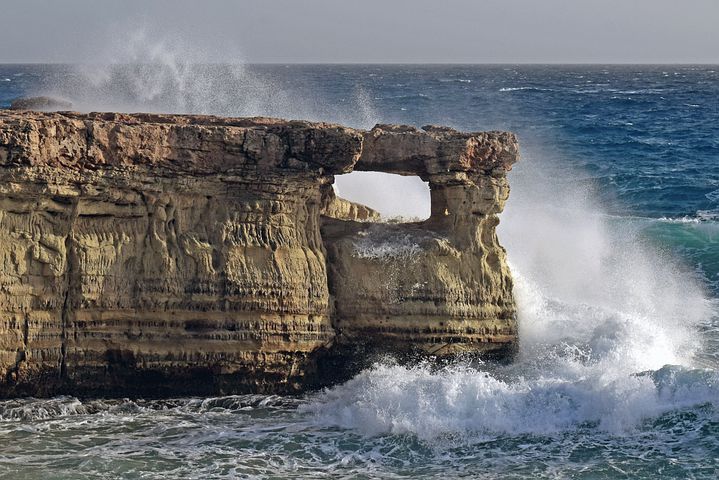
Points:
(612, 232)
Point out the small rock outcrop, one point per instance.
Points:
(41, 104)
(165, 255)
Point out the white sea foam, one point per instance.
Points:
(700, 217)
(607, 333)
(713, 195)
(517, 89)
(376, 244)
(460, 401)
(708, 215)
(456, 80)
(684, 219)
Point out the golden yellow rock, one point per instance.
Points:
(163, 255)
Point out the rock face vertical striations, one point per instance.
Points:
(163, 255)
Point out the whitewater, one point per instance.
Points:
(611, 232)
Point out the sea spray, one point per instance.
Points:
(607, 333)
(148, 73)
(592, 280)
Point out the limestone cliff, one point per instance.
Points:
(441, 286)
(163, 255)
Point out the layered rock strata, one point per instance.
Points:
(440, 286)
(164, 255)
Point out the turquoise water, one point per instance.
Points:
(612, 232)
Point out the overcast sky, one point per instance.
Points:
(454, 31)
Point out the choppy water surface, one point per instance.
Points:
(612, 232)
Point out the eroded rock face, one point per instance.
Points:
(163, 255)
(441, 286)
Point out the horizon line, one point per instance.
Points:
(394, 63)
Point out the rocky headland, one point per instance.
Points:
(164, 255)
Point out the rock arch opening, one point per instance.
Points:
(395, 197)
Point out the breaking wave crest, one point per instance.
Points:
(608, 333)
(459, 401)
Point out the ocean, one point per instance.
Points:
(612, 234)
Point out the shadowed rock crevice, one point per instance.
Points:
(164, 255)
(72, 275)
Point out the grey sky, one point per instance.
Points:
(605, 31)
